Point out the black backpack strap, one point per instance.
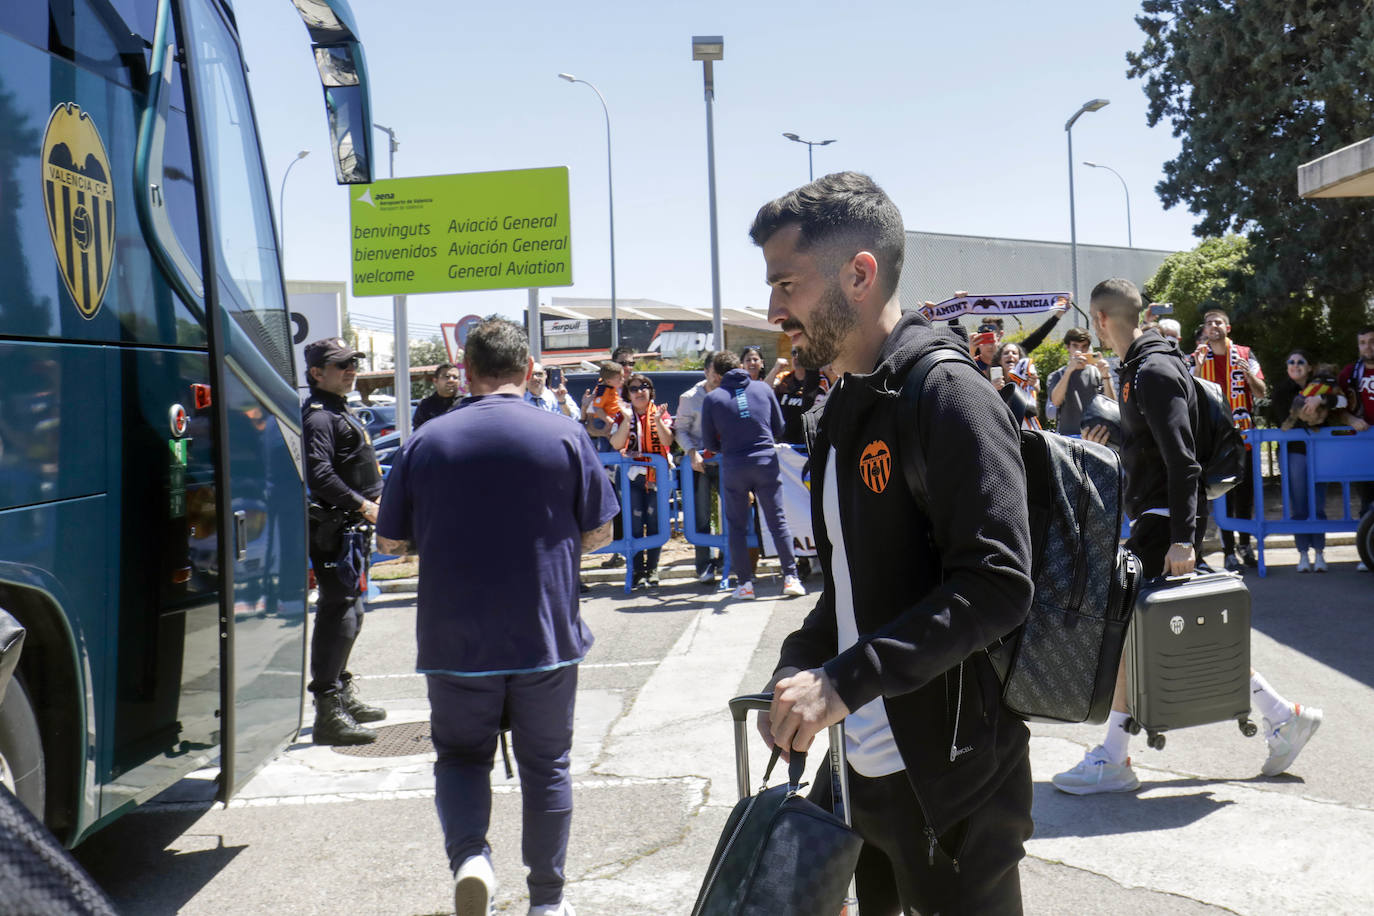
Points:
(913, 459)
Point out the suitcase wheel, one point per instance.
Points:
(1156, 741)
(1131, 725)
(1248, 728)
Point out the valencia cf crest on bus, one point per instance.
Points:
(79, 197)
(875, 465)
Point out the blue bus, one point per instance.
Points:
(152, 505)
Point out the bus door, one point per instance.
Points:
(260, 493)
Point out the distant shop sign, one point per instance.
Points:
(457, 233)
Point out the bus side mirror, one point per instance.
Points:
(343, 75)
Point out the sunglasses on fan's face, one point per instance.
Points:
(1297, 362)
(637, 388)
(347, 364)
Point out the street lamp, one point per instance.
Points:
(1093, 105)
(400, 327)
(1095, 165)
(610, 196)
(281, 205)
(810, 170)
(707, 49)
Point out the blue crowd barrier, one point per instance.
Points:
(1335, 456)
(628, 545)
(699, 538)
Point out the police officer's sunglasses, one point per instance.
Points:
(350, 363)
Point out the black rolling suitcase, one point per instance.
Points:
(780, 854)
(1188, 655)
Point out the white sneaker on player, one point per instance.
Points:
(746, 590)
(792, 587)
(1287, 740)
(561, 908)
(1097, 773)
(1303, 565)
(473, 887)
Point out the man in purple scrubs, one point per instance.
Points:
(500, 502)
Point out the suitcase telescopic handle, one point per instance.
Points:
(741, 706)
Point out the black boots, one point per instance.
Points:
(359, 710)
(335, 726)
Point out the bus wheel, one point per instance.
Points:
(21, 749)
(1364, 540)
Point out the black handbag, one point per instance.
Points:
(780, 854)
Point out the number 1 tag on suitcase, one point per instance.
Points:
(1188, 653)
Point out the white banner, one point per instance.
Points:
(796, 504)
(1011, 304)
(313, 316)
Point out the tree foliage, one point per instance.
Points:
(429, 352)
(1253, 89)
(1199, 279)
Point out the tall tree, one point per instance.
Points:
(1253, 89)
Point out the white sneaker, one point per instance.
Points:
(792, 587)
(561, 908)
(744, 591)
(1288, 740)
(473, 887)
(1319, 562)
(1096, 773)
(1303, 565)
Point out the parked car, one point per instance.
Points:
(378, 419)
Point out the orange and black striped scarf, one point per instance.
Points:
(646, 439)
(1228, 371)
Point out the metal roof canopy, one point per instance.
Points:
(649, 310)
(1347, 172)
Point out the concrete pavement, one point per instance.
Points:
(322, 832)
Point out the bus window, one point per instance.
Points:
(246, 253)
(93, 35)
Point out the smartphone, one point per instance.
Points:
(995, 373)
(555, 377)
(1158, 309)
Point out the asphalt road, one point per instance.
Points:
(319, 832)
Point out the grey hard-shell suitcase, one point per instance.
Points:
(1188, 654)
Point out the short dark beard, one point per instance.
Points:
(831, 322)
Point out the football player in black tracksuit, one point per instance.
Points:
(345, 483)
(1159, 414)
(940, 783)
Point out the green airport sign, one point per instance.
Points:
(456, 233)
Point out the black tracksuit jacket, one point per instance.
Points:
(931, 590)
(1159, 412)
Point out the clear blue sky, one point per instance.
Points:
(957, 110)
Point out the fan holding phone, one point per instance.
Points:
(542, 391)
(1074, 385)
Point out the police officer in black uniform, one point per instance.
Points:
(345, 483)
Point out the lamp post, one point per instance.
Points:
(810, 169)
(610, 197)
(1093, 105)
(1097, 165)
(401, 336)
(281, 205)
(708, 49)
